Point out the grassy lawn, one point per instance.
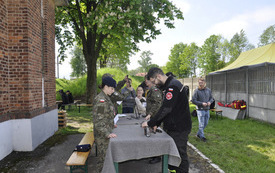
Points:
(237, 145)
(77, 122)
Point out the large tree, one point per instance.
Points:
(268, 36)
(92, 22)
(174, 63)
(145, 61)
(238, 44)
(189, 60)
(78, 63)
(209, 57)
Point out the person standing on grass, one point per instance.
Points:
(174, 113)
(128, 103)
(202, 98)
(103, 119)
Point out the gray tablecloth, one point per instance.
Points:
(131, 143)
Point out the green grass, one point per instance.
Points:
(77, 122)
(237, 145)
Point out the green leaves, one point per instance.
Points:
(145, 61)
(268, 36)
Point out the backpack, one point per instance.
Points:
(194, 113)
(238, 104)
(212, 106)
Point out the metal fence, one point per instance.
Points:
(255, 85)
(192, 83)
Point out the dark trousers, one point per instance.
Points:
(127, 110)
(180, 139)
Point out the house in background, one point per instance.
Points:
(28, 113)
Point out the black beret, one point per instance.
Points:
(109, 81)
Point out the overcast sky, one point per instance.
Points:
(203, 18)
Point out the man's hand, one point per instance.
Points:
(208, 103)
(115, 126)
(144, 124)
(112, 135)
(148, 117)
(204, 104)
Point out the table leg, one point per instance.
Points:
(165, 163)
(116, 166)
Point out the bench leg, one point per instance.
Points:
(82, 167)
(78, 109)
(116, 166)
(165, 163)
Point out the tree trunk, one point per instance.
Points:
(91, 88)
(103, 63)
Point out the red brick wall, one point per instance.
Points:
(27, 49)
(4, 97)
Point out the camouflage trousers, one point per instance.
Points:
(102, 146)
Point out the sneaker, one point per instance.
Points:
(198, 136)
(171, 171)
(203, 139)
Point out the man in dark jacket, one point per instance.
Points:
(65, 99)
(174, 113)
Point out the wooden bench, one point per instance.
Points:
(83, 104)
(78, 160)
(217, 111)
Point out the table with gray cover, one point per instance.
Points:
(131, 144)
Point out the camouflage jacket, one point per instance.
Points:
(103, 115)
(154, 100)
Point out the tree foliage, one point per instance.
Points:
(78, 63)
(189, 60)
(209, 56)
(145, 61)
(174, 63)
(268, 36)
(95, 23)
(238, 44)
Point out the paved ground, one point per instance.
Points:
(51, 156)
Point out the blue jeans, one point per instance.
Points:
(203, 117)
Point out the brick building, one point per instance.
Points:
(28, 113)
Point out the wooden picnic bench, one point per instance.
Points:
(217, 112)
(83, 104)
(78, 160)
(69, 104)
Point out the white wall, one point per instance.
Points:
(27, 134)
(6, 146)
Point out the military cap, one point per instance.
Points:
(109, 81)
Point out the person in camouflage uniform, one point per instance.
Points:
(103, 119)
(117, 96)
(154, 99)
